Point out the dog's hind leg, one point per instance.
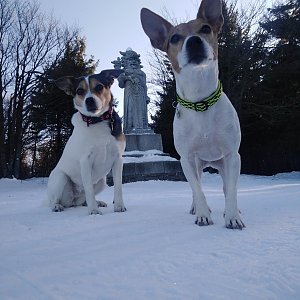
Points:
(230, 171)
(80, 199)
(60, 191)
(200, 206)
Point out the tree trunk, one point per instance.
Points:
(17, 143)
(2, 136)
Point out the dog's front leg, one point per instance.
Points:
(86, 174)
(190, 170)
(230, 172)
(60, 192)
(117, 170)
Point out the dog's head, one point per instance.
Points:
(91, 94)
(189, 44)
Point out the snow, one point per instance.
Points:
(154, 250)
(146, 156)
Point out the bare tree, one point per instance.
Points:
(30, 41)
(6, 13)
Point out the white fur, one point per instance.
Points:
(209, 138)
(89, 155)
(212, 139)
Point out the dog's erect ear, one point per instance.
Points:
(156, 28)
(66, 84)
(211, 11)
(107, 76)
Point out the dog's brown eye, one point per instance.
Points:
(98, 88)
(80, 92)
(205, 29)
(175, 38)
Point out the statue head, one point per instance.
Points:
(130, 60)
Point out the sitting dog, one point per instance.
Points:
(94, 148)
(206, 126)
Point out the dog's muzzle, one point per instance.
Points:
(90, 104)
(195, 49)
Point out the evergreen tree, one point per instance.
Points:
(241, 55)
(273, 139)
(242, 63)
(52, 109)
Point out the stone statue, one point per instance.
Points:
(133, 80)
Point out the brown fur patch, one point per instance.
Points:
(78, 99)
(104, 94)
(93, 82)
(121, 137)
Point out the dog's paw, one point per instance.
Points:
(101, 203)
(95, 211)
(193, 209)
(204, 220)
(234, 222)
(119, 208)
(58, 208)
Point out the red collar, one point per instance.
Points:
(93, 120)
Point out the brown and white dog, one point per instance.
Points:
(206, 126)
(94, 148)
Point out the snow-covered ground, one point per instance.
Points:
(154, 250)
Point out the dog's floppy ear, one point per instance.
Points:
(66, 84)
(156, 28)
(107, 76)
(211, 11)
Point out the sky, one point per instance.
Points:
(114, 25)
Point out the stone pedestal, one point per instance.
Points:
(156, 170)
(143, 142)
(149, 165)
(144, 160)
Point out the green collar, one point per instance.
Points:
(204, 104)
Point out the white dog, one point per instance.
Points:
(206, 126)
(94, 148)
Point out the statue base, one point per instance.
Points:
(149, 165)
(143, 142)
(144, 160)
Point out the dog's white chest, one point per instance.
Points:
(208, 135)
(94, 144)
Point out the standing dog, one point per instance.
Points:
(94, 148)
(206, 126)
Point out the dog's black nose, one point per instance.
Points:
(90, 104)
(195, 50)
